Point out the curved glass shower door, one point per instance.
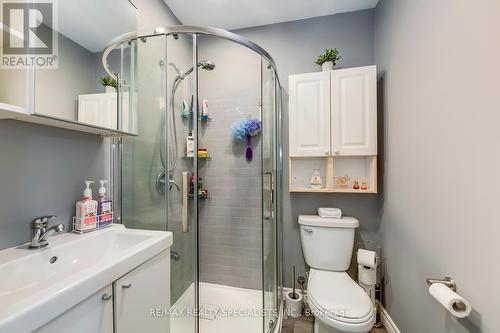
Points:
(205, 166)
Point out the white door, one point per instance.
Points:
(354, 111)
(142, 297)
(94, 314)
(309, 114)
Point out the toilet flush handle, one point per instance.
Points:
(309, 231)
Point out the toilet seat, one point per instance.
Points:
(339, 302)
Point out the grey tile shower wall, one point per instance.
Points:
(231, 220)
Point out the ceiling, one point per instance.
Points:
(235, 14)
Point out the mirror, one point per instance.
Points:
(71, 84)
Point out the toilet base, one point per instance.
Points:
(319, 327)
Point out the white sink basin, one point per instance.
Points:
(33, 290)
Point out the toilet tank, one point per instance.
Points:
(327, 243)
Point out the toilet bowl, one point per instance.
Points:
(338, 303)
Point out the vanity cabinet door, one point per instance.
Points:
(142, 297)
(354, 111)
(94, 314)
(309, 114)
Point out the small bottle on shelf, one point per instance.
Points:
(356, 184)
(364, 186)
(316, 181)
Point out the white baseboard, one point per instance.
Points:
(390, 326)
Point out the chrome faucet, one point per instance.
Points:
(40, 233)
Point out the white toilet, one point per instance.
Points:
(338, 303)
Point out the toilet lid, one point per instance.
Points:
(338, 295)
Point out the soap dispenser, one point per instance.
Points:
(104, 207)
(86, 211)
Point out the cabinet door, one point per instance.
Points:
(309, 114)
(89, 109)
(140, 294)
(354, 111)
(94, 314)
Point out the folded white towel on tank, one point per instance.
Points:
(330, 213)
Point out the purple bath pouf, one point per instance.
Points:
(253, 126)
(247, 127)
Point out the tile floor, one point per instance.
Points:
(306, 325)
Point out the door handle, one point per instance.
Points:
(127, 285)
(309, 231)
(106, 297)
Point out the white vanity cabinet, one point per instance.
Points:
(140, 293)
(124, 306)
(333, 128)
(95, 314)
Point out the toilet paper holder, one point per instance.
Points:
(450, 283)
(447, 281)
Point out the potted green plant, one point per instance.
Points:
(328, 60)
(109, 84)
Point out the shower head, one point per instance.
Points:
(206, 65)
(176, 68)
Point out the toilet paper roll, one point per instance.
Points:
(453, 302)
(367, 275)
(367, 258)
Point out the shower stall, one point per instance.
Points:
(205, 165)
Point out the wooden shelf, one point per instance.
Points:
(332, 167)
(309, 190)
(14, 112)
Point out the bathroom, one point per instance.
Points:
(190, 113)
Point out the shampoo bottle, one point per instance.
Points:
(86, 211)
(104, 207)
(190, 145)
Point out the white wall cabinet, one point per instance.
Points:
(333, 113)
(95, 314)
(309, 112)
(144, 289)
(101, 110)
(333, 127)
(354, 111)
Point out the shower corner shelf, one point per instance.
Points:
(188, 158)
(200, 197)
(201, 120)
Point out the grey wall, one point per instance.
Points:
(440, 65)
(42, 172)
(294, 46)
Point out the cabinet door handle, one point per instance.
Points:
(127, 285)
(327, 152)
(309, 231)
(336, 151)
(106, 297)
